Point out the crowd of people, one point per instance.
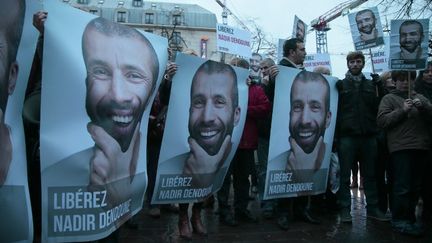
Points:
(382, 125)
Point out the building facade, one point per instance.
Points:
(186, 26)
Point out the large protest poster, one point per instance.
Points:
(409, 44)
(299, 29)
(233, 40)
(301, 133)
(18, 40)
(205, 120)
(99, 81)
(366, 28)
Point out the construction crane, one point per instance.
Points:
(320, 24)
(227, 12)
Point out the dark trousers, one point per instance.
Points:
(426, 192)
(383, 177)
(152, 164)
(407, 168)
(363, 148)
(239, 169)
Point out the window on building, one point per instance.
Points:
(149, 18)
(176, 19)
(150, 31)
(121, 16)
(137, 3)
(176, 38)
(82, 1)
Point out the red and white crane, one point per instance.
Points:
(320, 24)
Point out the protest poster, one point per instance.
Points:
(99, 81)
(409, 44)
(233, 40)
(204, 124)
(366, 28)
(301, 135)
(18, 40)
(317, 60)
(299, 29)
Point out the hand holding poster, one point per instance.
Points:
(205, 120)
(366, 28)
(93, 157)
(409, 44)
(18, 40)
(301, 136)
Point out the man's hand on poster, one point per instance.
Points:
(110, 167)
(418, 103)
(273, 72)
(5, 150)
(170, 71)
(407, 105)
(39, 19)
(299, 160)
(201, 165)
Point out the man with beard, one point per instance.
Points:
(122, 70)
(356, 134)
(410, 39)
(255, 70)
(366, 25)
(300, 30)
(11, 28)
(213, 113)
(309, 118)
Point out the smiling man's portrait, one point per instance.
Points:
(213, 114)
(309, 117)
(11, 26)
(122, 70)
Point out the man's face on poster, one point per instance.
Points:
(119, 83)
(255, 63)
(365, 22)
(308, 116)
(410, 36)
(212, 115)
(300, 30)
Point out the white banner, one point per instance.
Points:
(233, 40)
(301, 135)
(366, 28)
(409, 44)
(18, 40)
(316, 60)
(99, 81)
(205, 120)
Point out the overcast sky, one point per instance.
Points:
(276, 19)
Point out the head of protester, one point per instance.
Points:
(355, 62)
(119, 81)
(294, 50)
(214, 107)
(310, 113)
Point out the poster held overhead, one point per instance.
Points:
(409, 44)
(366, 29)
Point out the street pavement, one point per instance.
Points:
(362, 229)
